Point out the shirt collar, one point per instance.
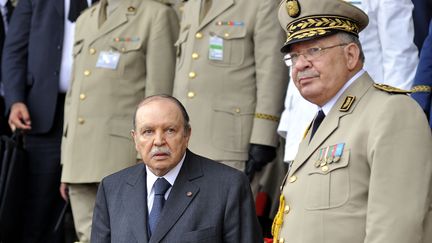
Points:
(171, 176)
(3, 3)
(327, 107)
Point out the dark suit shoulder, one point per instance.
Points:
(123, 174)
(215, 169)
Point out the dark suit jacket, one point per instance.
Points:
(219, 208)
(32, 57)
(422, 14)
(423, 78)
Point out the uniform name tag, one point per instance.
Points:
(216, 48)
(108, 59)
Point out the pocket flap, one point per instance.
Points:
(229, 33)
(126, 46)
(234, 108)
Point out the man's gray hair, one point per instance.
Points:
(349, 38)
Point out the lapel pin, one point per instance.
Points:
(189, 194)
(349, 100)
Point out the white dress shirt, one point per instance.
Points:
(67, 60)
(171, 176)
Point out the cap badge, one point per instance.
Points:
(293, 8)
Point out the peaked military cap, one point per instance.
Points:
(309, 19)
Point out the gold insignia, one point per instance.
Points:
(346, 105)
(278, 220)
(131, 9)
(293, 8)
(319, 25)
(421, 88)
(266, 117)
(391, 89)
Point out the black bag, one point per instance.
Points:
(13, 174)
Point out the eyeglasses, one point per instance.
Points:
(309, 54)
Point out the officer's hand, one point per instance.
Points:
(259, 156)
(64, 191)
(19, 117)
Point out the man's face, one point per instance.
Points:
(160, 136)
(320, 78)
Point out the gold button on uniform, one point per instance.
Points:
(237, 110)
(281, 240)
(82, 96)
(292, 179)
(92, 51)
(87, 72)
(81, 120)
(325, 168)
(192, 75)
(191, 94)
(286, 209)
(226, 35)
(195, 56)
(199, 35)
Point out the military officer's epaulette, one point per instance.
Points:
(391, 89)
(421, 88)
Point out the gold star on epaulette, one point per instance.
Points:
(391, 89)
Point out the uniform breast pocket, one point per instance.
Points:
(131, 56)
(227, 46)
(328, 186)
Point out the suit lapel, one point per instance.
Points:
(135, 203)
(59, 6)
(331, 122)
(217, 8)
(118, 18)
(181, 195)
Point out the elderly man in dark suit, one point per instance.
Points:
(175, 195)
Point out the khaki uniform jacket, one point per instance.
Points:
(101, 101)
(379, 190)
(237, 98)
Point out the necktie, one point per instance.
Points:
(10, 10)
(317, 122)
(75, 9)
(161, 186)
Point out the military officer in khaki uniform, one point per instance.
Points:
(230, 78)
(123, 51)
(363, 170)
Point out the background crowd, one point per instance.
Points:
(73, 72)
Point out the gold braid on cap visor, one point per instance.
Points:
(319, 25)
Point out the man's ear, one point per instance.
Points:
(352, 56)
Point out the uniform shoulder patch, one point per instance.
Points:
(391, 89)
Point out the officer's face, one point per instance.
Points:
(319, 78)
(160, 136)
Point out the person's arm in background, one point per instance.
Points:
(14, 65)
(422, 86)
